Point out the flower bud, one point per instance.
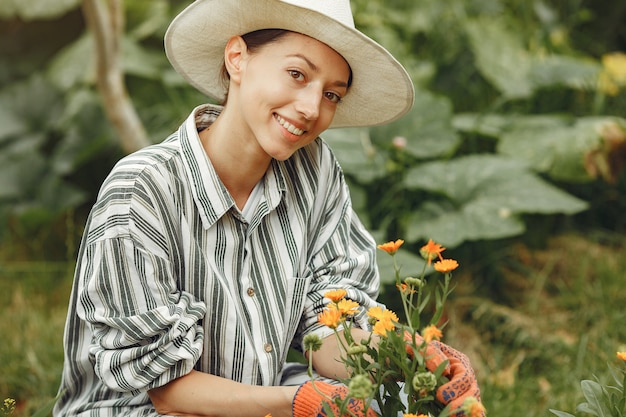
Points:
(312, 342)
(360, 387)
(424, 381)
(414, 282)
(356, 349)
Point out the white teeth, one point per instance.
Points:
(291, 128)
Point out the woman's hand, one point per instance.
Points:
(311, 396)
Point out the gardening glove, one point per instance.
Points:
(308, 402)
(462, 382)
(433, 357)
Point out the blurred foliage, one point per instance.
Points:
(517, 132)
(518, 113)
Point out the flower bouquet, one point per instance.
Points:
(390, 367)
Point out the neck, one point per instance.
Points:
(237, 158)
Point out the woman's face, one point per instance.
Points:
(288, 91)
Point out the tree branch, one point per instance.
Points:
(105, 19)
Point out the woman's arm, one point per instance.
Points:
(202, 394)
(327, 360)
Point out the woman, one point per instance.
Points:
(206, 257)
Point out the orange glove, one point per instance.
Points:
(308, 402)
(462, 382)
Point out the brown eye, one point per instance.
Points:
(296, 75)
(333, 97)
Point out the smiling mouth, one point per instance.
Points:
(290, 128)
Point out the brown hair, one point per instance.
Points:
(255, 40)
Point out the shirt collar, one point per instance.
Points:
(211, 196)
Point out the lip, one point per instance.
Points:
(293, 130)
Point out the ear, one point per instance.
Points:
(235, 53)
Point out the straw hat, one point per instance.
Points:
(381, 89)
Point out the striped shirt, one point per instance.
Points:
(172, 277)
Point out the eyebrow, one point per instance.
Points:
(316, 69)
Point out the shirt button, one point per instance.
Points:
(250, 292)
(268, 347)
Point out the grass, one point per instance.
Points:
(34, 300)
(559, 318)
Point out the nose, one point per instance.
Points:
(309, 102)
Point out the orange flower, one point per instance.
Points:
(391, 247)
(446, 265)
(403, 288)
(382, 326)
(335, 295)
(430, 250)
(621, 355)
(348, 307)
(330, 317)
(431, 333)
(382, 315)
(473, 408)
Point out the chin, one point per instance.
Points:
(282, 156)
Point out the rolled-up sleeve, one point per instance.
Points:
(146, 332)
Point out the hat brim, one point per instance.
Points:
(381, 90)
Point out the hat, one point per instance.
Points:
(381, 89)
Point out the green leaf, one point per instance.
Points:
(569, 71)
(495, 125)
(146, 18)
(471, 222)
(141, 61)
(10, 124)
(485, 124)
(36, 9)
(500, 57)
(559, 150)
(33, 103)
(561, 413)
(427, 128)
(356, 154)
(596, 399)
(74, 64)
(482, 196)
(20, 169)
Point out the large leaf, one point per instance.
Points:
(356, 153)
(140, 61)
(36, 9)
(482, 194)
(596, 400)
(559, 150)
(495, 125)
(10, 124)
(453, 226)
(569, 71)
(427, 128)
(74, 64)
(517, 73)
(500, 57)
(31, 105)
(19, 172)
